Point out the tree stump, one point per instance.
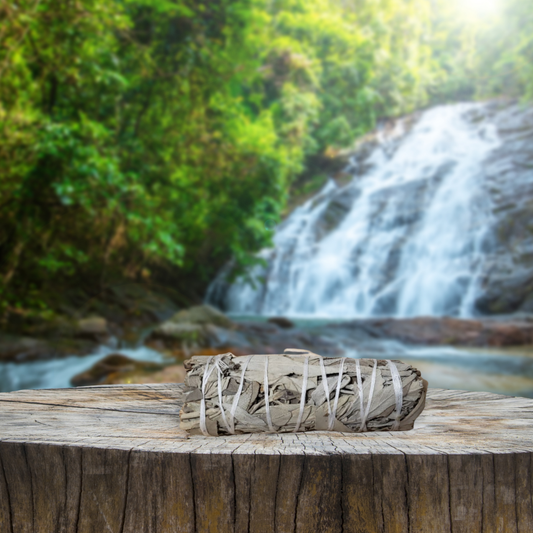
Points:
(112, 459)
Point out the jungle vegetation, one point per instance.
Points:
(156, 139)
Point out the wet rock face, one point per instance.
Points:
(507, 274)
(336, 210)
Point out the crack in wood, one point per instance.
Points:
(127, 482)
(8, 497)
(406, 493)
(78, 517)
(195, 519)
(82, 407)
(32, 496)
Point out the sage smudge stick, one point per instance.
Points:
(299, 391)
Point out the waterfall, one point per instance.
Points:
(405, 237)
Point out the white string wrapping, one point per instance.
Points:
(332, 412)
(398, 393)
(326, 387)
(238, 395)
(219, 372)
(302, 397)
(332, 419)
(205, 377)
(267, 399)
(365, 412)
(207, 373)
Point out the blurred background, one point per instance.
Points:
(353, 177)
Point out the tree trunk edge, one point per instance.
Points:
(135, 491)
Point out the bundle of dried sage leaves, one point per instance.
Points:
(299, 391)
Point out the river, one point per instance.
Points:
(432, 222)
(506, 371)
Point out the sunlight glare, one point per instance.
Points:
(479, 7)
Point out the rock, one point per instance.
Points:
(137, 303)
(112, 364)
(169, 374)
(202, 314)
(58, 336)
(336, 210)
(265, 337)
(282, 322)
(54, 327)
(204, 330)
(185, 332)
(77, 321)
(447, 331)
(23, 348)
(123, 304)
(92, 327)
(507, 272)
(201, 326)
(222, 337)
(506, 291)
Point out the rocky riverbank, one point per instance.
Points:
(434, 331)
(203, 329)
(82, 322)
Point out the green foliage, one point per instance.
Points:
(505, 60)
(332, 69)
(142, 136)
(481, 54)
(126, 141)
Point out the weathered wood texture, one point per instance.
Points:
(112, 459)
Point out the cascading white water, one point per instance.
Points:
(408, 236)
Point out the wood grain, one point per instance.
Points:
(113, 459)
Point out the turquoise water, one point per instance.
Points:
(501, 370)
(56, 373)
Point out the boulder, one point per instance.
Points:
(44, 337)
(185, 332)
(25, 348)
(112, 364)
(202, 314)
(13, 348)
(282, 322)
(204, 330)
(169, 374)
(92, 327)
(198, 327)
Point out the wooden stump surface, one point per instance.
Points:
(113, 458)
